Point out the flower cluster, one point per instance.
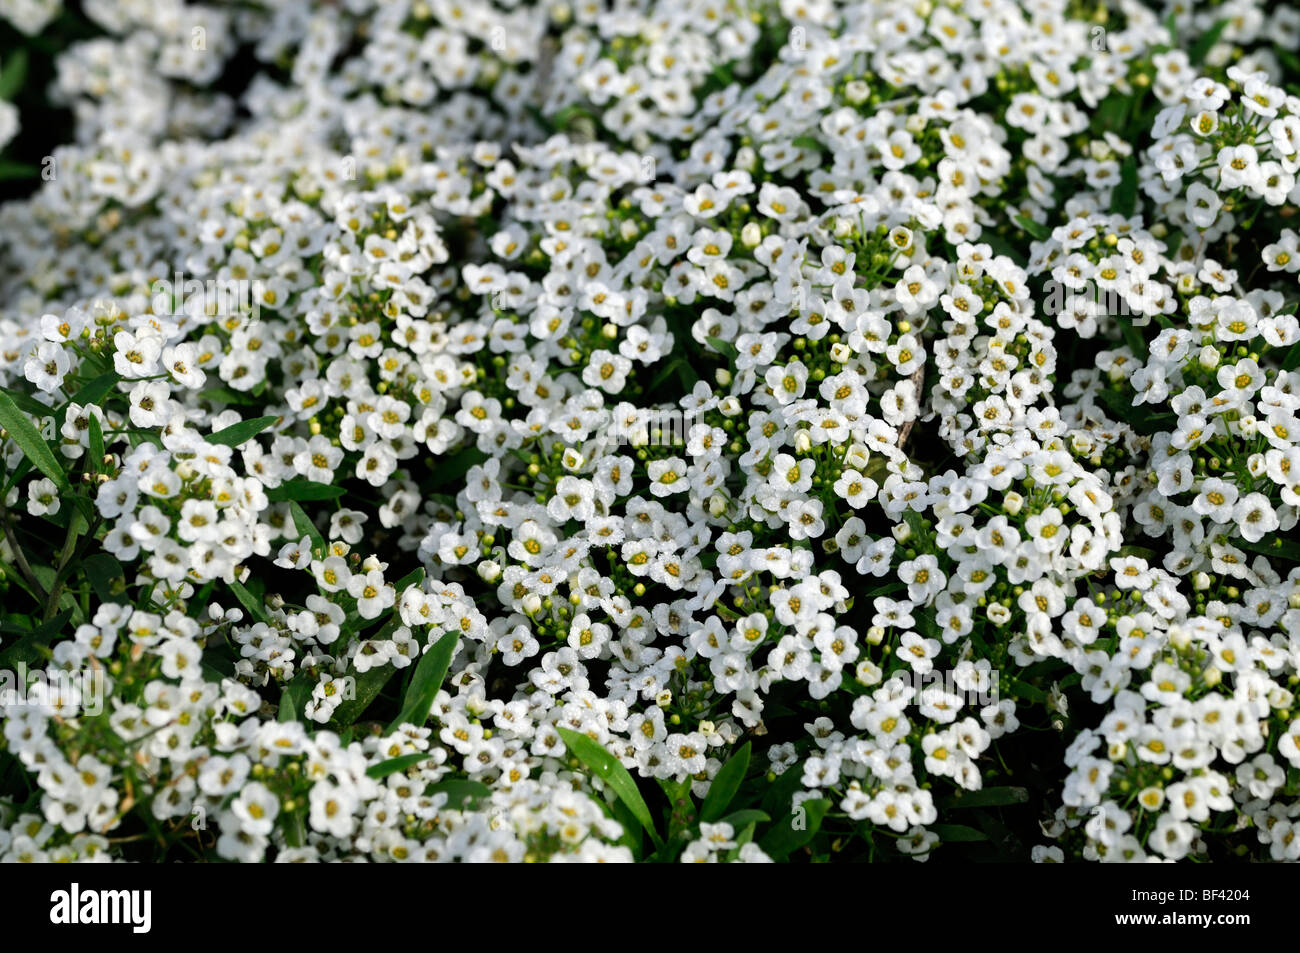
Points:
(708, 430)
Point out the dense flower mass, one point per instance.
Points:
(688, 430)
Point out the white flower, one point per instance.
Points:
(47, 366)
(43, 497)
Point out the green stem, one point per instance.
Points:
(65, 562)
(19, 557)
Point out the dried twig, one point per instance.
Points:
(917, 379)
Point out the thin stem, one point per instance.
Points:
(65, 560)
(19, 557)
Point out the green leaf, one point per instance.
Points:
(1110, 113)
(999, 245)
(223, 395)
(368, 686)
(681, 810)
(1027, 692)
(303, 490)
(1034, 229)
(103, 571)
(27, 649)
(724, 74)
(288, 706)
(739, 819)
(9, 170)
(450, 469)
(412, 578)
(138, 437)
(1205, 42)
(958, 833)
(988, 797)
(725, 785)
(29, 440)
(250, 602)
(1139, 417)
(632, 837)
(1274, 546)
(744, 837)
(429, 674)
(998, 833)
(784, 837)
(94, 390)
(14, 73)
(610, 770)
(304, 526)
(807, 142)
(460, 792)
(722, 347)
(294, 698)
(241, 432)
(1292, 359)
(393, 765)
(29, 404)
(96, 440)
(1124, 199)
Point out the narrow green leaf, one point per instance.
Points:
(722, 347)
(1034, 229)
(288, 705)
(29, 440)
(1110, 113)
(739, 819)
(28, 403)
(104, 572)
(725, 785)
(303, 490)
(610, 770)
(368, 686)
(958, 833)
(223, 395)
(295, 696)
(242, 432)
(14, 73)
(1124, 199)
(790, 833)
(27, 649)
(1027, 692)
(988, 797)
(1272, 546)
(1292, 359)
(393, 765)
(429, 674)
(94, 390)
(461, 793)
(96, 440)
(250, 602)
(1205, 42)
(681, 808)
(304, 526)
(412, 578)
(1140, 417)
(450, 469)
(10, 170)
(633, 837)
